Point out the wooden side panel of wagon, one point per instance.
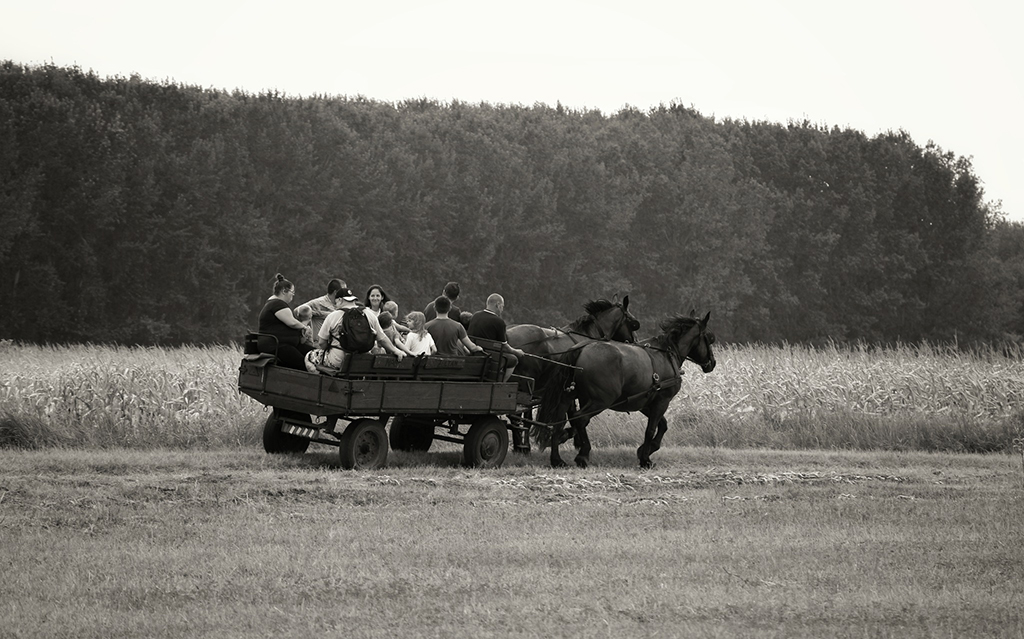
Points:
(317, 394)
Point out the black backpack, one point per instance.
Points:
(353, 332)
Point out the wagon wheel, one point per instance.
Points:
(411, 433)
(486, 443)
(364, 445)
(275, 442)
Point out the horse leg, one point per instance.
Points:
(662, 427)
(579, 425)
(571, 431)
(556, 438)
(643, 453)
(577, 438)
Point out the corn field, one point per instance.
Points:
(922, 379)
(124, 396)
(904, 397)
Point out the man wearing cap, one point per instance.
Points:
(487, 324)
(451, 291)
(334, 355)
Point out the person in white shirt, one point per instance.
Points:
(418, 341)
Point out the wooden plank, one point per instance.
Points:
(369, 365)
(421, 396)
(293, 383)
(326, 395)
(336, 393)
(250, 376)
(503, 397)
(460, 397)
(439, 362)
(368, 395)
(462, 368)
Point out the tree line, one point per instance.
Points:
(140, 212)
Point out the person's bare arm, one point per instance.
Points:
(288, 318)
(470, 346)
(389, 346)
(512, 349)
(401, 345)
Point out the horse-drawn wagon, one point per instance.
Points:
(581, 370)
(455, 399)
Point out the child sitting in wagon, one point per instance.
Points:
(418, 341)
(305, 315)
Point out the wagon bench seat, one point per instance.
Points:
(368, 366)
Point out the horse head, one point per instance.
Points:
(692, 340)
(612, 320)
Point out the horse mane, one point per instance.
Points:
(672, 327)
(592, 308)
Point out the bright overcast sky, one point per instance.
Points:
(951, 73)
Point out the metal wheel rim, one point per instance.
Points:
(490, 446)
(367, 447)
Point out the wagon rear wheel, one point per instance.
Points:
(411, 433)
(364, 445)
(486, 443)
(275, 442)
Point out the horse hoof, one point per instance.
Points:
(582, 462)
(646, 464)
(558, 464)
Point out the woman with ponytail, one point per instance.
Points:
(277, 319)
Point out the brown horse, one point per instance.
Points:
(626, 377)
(604, 320)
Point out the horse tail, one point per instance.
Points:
(557, 385)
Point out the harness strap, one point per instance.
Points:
(656, 383)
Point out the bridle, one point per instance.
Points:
(672, 348)
(632, 325)
(708, 338)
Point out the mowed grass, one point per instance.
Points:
(711, 542)
(789, 501)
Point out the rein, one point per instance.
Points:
(570, 333)
(674, 351)
(615, 329)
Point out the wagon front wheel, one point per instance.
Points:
(364, 445)
(276, 442)
(486, 443)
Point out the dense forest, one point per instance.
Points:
(140, 212)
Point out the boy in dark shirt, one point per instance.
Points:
(449, 334)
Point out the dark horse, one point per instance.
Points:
(604, 320)
(626, 377)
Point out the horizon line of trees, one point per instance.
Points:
(154, 213)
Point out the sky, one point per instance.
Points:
(948, 73)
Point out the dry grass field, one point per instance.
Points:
(801, 493)
(901, 398)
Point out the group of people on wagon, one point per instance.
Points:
(304, 337)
